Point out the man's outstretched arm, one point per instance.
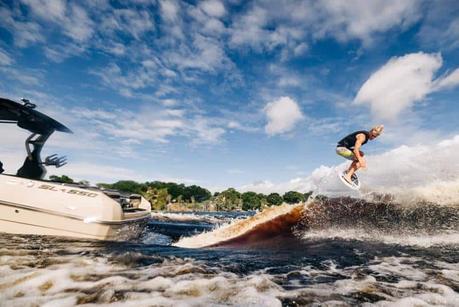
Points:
(358, 143)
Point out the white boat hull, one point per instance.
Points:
(44, 208)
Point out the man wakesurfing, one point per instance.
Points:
(349, 148)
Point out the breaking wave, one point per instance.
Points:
(269, 222)
(381, 219)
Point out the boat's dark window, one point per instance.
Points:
(1, 167)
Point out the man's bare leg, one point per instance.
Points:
(355, 165)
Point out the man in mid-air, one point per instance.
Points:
(349, 148)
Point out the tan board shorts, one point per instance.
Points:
(346, 153)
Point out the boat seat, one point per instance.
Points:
(1, 167)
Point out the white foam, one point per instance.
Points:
(415, 286)
(46, 278)
(421, 240)
(184, 217)
(174, 282)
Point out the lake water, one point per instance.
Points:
(340, 252)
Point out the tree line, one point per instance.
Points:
(164, 194)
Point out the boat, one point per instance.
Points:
(31, 205)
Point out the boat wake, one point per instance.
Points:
(422, 223)
(260, 227)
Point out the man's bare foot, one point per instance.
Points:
(347, 178)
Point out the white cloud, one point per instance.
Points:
(25, 33)
(428, 172)
(268, 24)
(213, 8)
(449, 81)
(132, 21)
(282, 114)
(59, 53)
(401, 82)
(300, 49)
(205, 54)
(205, 130)
(24, 75)
(236, 125)
(97, 173)
(440, 26)
(52, 10)
(170, 10)
(361, 19)
(149, 124)
(5, 58)
(73, 19)
(213, 27)
(249, 29)
(289, 81)
(78, 25)
(132, 78)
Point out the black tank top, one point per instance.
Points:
(349, 141)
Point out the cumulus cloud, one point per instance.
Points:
(407, 172)
(401, 82)
(282, 115)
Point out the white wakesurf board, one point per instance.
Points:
(355, 185)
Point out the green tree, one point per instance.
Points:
(158, 198)
(263, 199)
(274, 199)
(199, 194)
(175, 190)
(293, 197)
(128, 186)
(84, 182)
(229, 199)
(61, 179)
(250, 201)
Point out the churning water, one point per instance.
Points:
(333, 252)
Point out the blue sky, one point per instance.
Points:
(227, 93)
